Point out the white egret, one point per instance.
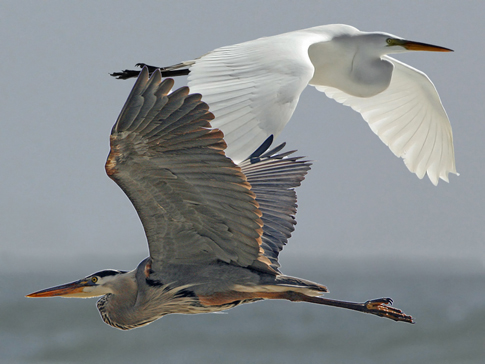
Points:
(253, 88)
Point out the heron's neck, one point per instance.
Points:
(118, 308)
(344, 65)
(134, 302)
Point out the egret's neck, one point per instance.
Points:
(350, 66)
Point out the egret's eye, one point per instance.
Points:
(94, 279)
(389, 41)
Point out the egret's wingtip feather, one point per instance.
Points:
(434, 179)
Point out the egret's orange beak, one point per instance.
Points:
(416, 46)
(72, 289)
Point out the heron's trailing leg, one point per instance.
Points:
(171, 71)
(380, 306)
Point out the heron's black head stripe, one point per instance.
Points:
(107, 272)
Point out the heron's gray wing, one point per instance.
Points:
(194, 203)
(273, 177)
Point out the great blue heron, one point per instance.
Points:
(214, 228)
(253, 88)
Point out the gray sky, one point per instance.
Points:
(58, 105)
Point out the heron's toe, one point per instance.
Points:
(378, 301)
(381, 307)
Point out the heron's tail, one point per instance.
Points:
(282, 283)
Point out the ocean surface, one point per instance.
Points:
(447, 300)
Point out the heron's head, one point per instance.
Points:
(96, 284)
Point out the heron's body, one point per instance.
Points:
(253, 88)
(214, 228)
(194, 289)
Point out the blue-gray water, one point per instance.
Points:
(448, 303)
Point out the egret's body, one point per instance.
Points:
(214, 228)
(253, 88)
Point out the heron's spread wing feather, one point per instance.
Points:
(252, 88)
(273, 179)
(195, 204)
(409, 118)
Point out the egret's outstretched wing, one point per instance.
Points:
(273, 177)
(195, 204)
(253, 88)
(409, 118)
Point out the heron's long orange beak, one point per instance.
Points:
(417, 46)
(72, 289)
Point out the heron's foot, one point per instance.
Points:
(382, 307)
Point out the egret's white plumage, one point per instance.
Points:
(252, 88)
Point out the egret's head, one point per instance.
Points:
(380, 43)
(398, 45)
(96, 284)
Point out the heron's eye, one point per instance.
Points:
(94, 279)
(390, 41)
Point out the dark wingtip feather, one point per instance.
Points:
(254, 157)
